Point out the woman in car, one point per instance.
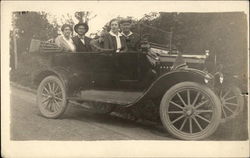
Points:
(64, 41)
(97, 44)
(114, 39)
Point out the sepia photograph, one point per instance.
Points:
(124, 79)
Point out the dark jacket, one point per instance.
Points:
(133, 42)
(110, 42)
(80, 47)
(98, 46)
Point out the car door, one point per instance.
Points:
(115, 70)
(132, 71)
(103, 70)
(126, 65)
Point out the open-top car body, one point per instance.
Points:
(183, 97)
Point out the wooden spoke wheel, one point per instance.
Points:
(190, 111)
(232, 102)
(51, 97)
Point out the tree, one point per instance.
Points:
(68, 19)
(84, 16)
(28, 25)
(32, 25)
(224, 34)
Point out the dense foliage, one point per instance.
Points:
(32, 25)
(28, 25)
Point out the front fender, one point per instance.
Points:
(158, 88)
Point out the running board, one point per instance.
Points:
(107, 96)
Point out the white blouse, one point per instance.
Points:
(118, 40)
(70, 43)
(127, 36)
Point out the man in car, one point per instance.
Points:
(81, 42)
(132, 39)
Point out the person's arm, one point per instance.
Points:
(95, 46)
(137, 42)
(87, 42)
(106, 42)
(125, 48)
(57, 41)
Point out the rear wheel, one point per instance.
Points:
(190, 111)
(51, 97)
(232, 102)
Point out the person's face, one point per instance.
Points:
(101, 38)
(126, 27)
(67, 32)
(114, 26)
(81, 30)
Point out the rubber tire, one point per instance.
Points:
(240, 100)
(64, 104)
(181, 135)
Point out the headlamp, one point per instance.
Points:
(207, 78)
(221, 78)
(207, 53)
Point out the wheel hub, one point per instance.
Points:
(189, 111)
(51, 96)
(222, 101)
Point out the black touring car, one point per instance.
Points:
(184, 97)
(189, 100)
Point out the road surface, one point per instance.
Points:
(79, 124)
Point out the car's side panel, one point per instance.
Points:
(83, 71)
(88, 69)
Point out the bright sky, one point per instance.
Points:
(107, 10)
(99, 21)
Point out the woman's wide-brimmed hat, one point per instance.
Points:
(81, 24)
(66, 25)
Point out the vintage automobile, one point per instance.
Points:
(183, 98)
(230, 89)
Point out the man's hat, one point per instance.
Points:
(81, 24)
(125, 20)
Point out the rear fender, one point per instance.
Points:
(60, 72)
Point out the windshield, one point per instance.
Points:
(157, 38)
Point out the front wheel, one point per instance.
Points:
(232, 102)
(190, 111)
(51, 97)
